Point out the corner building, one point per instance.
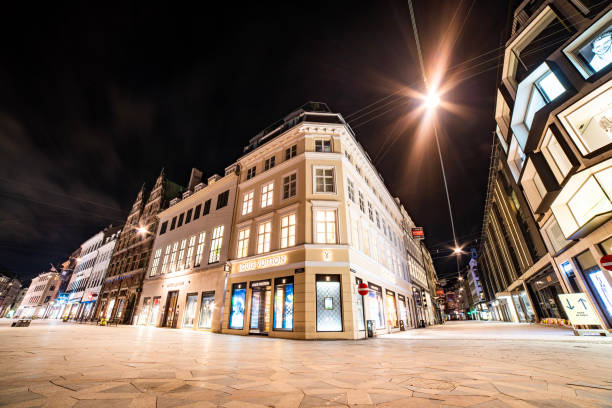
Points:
(313, 219)
(548, 217)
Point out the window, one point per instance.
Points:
(534, 188)
(180, 220)
(196, 214)
(190, 252)
(329, 303)
(166, 259)
(289, 186)
(377, 220)
(323, 146)
(348, 156)
(173, 224)
(173, 257)
(351, 190)
(290, 152)
(591, 52)
(269, 163)
(553, 236)
(325, 226)
(238, 305)
(583, 210)
(251, 172)
(188, 216)
(288, 231)
(589, 121)
(190, 310)
(200, 249)
(247, 203)
(181, 255)
(222, 199)
(516, 158)
(264, 231)
(206, 310)
(267, 194)
(324, 180)
(283, 303)
(215, 244)
(243, 243)
(370, 211)
(361, 202)
(206, 207)
(555, 156)
(155, 262)
(163, 228)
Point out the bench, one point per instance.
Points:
(21, 323)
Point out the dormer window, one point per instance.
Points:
(269, 163)
(323, 146)
(251, 172)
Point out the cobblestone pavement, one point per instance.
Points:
(459, 364)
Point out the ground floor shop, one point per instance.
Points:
(281, 295)
(119, 297)
(183, 300)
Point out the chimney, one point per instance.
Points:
(194, 179)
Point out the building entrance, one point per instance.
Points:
(261, 299)
(171, 312)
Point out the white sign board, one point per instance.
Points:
(579, 309)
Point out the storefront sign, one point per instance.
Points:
(579, 309)
(262, 263)
(261, 283)
(418, 233)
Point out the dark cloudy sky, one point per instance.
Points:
(95, 99)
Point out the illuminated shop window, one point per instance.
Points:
(555, 156)
(206, 310)
(589, 121)
(329, 303)
(243, 242)
(391, 309)
(190, 310)
(374, 304)
(236, 318)
(283, 303)
(539, 88)
(598, 282)
(585, 199)
(591, 52)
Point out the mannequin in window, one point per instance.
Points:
(602, 50)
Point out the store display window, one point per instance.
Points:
(391, 309)
(329, 303)
(599, 282)
(190, 310)
(207, 305)
(375, 306)
(591, 52)
(236, 318)
(283, 303)
(154, 310)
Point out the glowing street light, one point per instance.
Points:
(432, 100)
(457, 251)
(142, 230)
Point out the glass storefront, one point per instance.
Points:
(144, 313)
(154, 310)
(261, 299)
(375, 306)
(391, 309)
(545, 288)
(598, 281)
(360, 322)
(236, 318)
(403, 316)
(329, 306)
(190, 310)
(109, 309)
(206, 310)
(523, 307)
(283, 303)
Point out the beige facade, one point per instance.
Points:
(184, 282)
(313, 218)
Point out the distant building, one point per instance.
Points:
(9, 290)
(40, 296)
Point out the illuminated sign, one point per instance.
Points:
(262, 263)
(418, 233)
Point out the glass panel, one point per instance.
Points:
(603, 290)
(598, 52)
(536, 102)
(551, 86)
(154, 311)
(606, 246)
(236, 320)
(146, 306)
(604, 178)
(391, 310)
(283, 306)
(206, 310)
(329, 309)
(190, 310)
(375, 308)
(555, 156)
(589, 201)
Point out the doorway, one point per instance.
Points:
(171, 313)
(260, 310)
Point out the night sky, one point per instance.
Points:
(95, 101)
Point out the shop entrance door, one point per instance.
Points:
(260, 310)
(171, 313)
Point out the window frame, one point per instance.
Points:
(267, 222)
(288, 176)
(288, 228)
(242, 245)
(266, 199)
(314, 179)
(247, 199)
(315, 228)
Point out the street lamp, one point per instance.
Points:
(432, 100)
(142, 230)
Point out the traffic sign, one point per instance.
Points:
(363, 289)
(606, 262)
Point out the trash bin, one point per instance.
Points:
(402, 327)
(371, 327)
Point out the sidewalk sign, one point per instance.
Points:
(580, 312)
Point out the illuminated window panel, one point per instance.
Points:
(589, 121)
(591, 52)
(516, 158)
(533, 186)
(555, 156)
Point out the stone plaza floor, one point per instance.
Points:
(458, 364)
